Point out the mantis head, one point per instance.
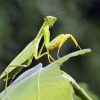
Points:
(50, 20)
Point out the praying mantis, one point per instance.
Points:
(24, 59)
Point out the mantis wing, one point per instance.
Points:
(21, 59)
(44, 84)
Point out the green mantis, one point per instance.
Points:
(24, 59)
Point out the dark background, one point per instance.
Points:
(20, 21)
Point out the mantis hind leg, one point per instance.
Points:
(26, 64)
(6, 80)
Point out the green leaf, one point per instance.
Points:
(38, 83)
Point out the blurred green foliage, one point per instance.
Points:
(20, 21)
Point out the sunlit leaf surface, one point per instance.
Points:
(42, 83)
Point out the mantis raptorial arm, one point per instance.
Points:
(59, 41)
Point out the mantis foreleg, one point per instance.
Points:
(59, 41)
